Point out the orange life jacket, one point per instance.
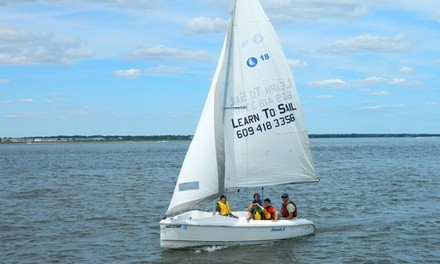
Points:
(269, 212)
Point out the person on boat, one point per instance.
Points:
(270, 213)
(223, 207)
(289, 210)
(257, 199)
(255, 211)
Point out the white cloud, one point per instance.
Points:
(164, 52)
(24, 115)
(135, 73)
(361, 84)
(328, 83)
(3, 81)
(288, 10)
(205, 24)
(374, 79)
(377, 92)
(165, 69)
(406, 70)
(27, 100)
(19, 47)
(397, 81)
(55, 98)
(292, 10)
(368, 43)
(130, 73)
(297, 64)
(377, 107)
(132, 4)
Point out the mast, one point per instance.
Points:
(226, 83)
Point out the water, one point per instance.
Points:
(378, 201)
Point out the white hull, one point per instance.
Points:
(197, 228)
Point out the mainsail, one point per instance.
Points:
(266, 139)
(255, 135)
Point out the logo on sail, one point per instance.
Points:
(257, 39)
(252, 62)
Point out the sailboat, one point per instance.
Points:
(251, 134)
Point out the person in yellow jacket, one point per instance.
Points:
(255, 211)
(223, 207)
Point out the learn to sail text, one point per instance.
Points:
(273, 118)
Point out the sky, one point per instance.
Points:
(144, 67)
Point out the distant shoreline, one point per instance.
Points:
(355, 135)
(160, 138)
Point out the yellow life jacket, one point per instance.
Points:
(267, 215)
(224, 208)
(257, 215)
